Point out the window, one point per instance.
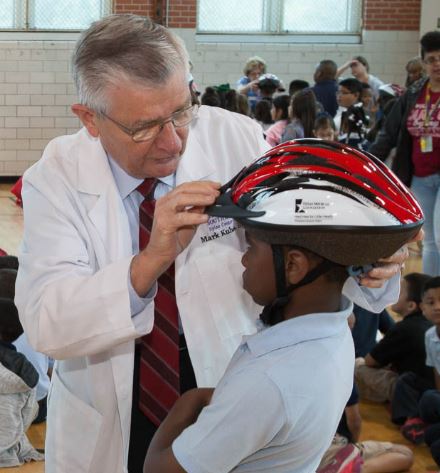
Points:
(31, 15)
(280, 16)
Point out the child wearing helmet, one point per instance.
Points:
(313, 212)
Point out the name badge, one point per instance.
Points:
(426, 144)
(217, 228)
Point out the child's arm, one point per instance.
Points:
(371, 362)
(160, 457)
(343, 68)
(354, 421)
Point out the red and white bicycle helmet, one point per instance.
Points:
(341, 203)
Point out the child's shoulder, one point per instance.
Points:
(431, 335)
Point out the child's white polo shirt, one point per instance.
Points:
(279, 402)
(432, 346)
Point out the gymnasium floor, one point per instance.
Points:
(376, 424)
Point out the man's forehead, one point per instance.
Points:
(152, 101)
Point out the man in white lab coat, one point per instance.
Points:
(84, 290)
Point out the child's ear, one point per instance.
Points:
(297, 266)
(412, 306)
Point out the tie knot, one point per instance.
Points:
(146, 188)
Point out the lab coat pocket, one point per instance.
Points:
(72, 431)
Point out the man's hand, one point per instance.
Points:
(386, 268)
(176, 217)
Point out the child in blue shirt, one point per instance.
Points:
(429, 406)
(280, 400)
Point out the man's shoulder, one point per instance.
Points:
(216, 116)
(220, 131)
(62, 154)
(62, 146)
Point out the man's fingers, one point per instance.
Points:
(399, 257)
(198, 187)
(189, 219)
(386, 271)
(188, 196)
(419, 237)
(377, 276)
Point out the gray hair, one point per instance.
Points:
(124, 47)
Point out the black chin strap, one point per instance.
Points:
(273, 313)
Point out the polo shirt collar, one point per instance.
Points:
(434, 335)
(126, 184)
(300, 329)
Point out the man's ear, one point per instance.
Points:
(87, 117)
(297, 266)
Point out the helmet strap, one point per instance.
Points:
(273, 313)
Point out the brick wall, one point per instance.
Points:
(392, 15)
(139, 7)
(181, 13)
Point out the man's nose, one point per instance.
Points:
(168, 139)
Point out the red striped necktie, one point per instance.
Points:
(159, 364)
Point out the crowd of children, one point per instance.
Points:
(358, 104)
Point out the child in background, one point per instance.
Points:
(429, 405)
(430, 402)
(280, 115)
(399, 352)
(18, 405)
(262, 114)
(296, 85)
(351, 119)
(211, 97)
(268, 412)
(302, 114)
(414, 70)
(369, 104)
(374, 456)
(268, 84)
(40, 361)
(324, 127)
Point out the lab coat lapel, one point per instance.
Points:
(195, 164)
(107, 215)
(101, 197)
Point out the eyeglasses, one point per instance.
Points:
(431, 60)
(150, 130)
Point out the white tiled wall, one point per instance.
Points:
(36, 89)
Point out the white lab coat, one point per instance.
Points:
(72, 289)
